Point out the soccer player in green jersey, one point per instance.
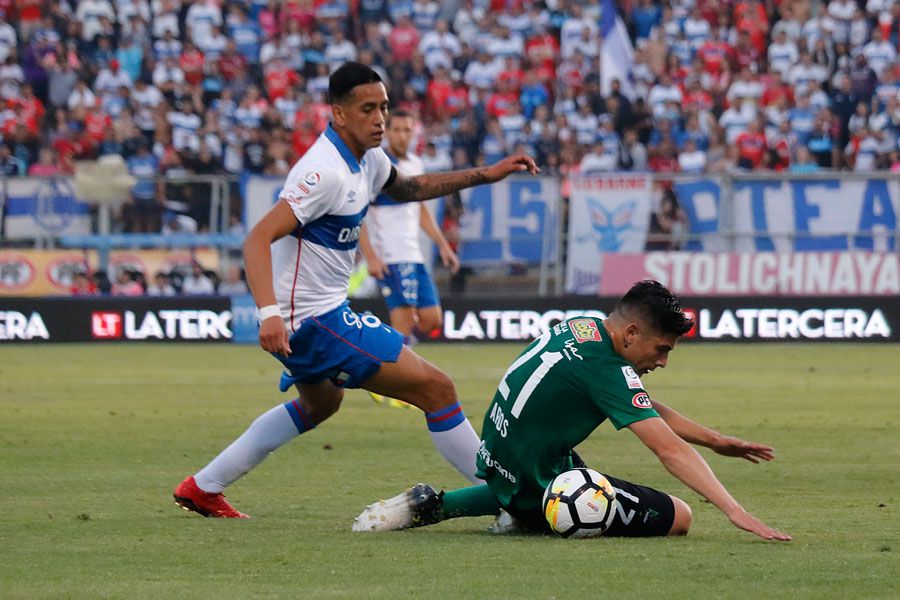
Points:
(565, 384)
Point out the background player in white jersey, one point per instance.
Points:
(390, 238)
(299, 258)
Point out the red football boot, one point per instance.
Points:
(190, 497)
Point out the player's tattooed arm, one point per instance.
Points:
(435, 185)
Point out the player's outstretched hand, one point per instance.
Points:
(273, 336)
(518, 163)
(732, 446)
(744, 520)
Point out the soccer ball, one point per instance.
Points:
(579, 503)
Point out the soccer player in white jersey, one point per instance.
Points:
(299, 258)
(389, 239)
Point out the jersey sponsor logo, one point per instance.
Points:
(641, 400)
(585, 330)
(632, 378)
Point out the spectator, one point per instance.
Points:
(667, 224)
(691, 159)
(11, 166)
(161, 286)
(126, 284)
(47, 165)
(633, 154)
(862, 150)
(144, 209)
(82, 285)
(752, 145)
(232, 283)
(197, 283)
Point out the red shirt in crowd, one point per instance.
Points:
(302, 12)
(751, 17)
(543, 50)
(403, 41)
(752, 146)
(695, 100)
(191, 62)
(302, 139)
(437, 96)
(663, 164)
(458, 100)
(29, 11)
(232, 64)
(775, 91)
(715, 55)
(278, 80)
(95, 123)
(512, 77)
(499, 102)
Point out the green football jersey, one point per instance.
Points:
(564, 385)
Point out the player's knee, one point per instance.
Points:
(438, 392)
(429, 322)
(321, 406)
(683, 516)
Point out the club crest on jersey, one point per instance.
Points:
(641, 400)
(585, 330)
(631, 378)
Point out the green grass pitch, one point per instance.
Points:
(93, 439)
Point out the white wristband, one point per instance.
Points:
(266, 312)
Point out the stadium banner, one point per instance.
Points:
(49, 272)
(224, 319)
(109, 320)
(513, 221)
(799, 215)
(606, 214)
(43, 207)
(756, 319)
(259, 193)
(755, 274)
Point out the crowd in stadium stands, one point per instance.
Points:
(197, 281)
(228, 86)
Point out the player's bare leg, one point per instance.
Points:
(430, 318)
(416, 381)
(683, 517)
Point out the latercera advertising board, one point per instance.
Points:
(224, 319)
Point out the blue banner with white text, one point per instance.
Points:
(793, 215)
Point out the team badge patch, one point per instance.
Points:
(641, 400)
(312, 179)
(632, 378)
(585, 330)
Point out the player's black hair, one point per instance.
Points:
(348, 76)
(655, 305)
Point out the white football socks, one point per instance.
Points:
(451, 432)
(266, 434)
(455, 439)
